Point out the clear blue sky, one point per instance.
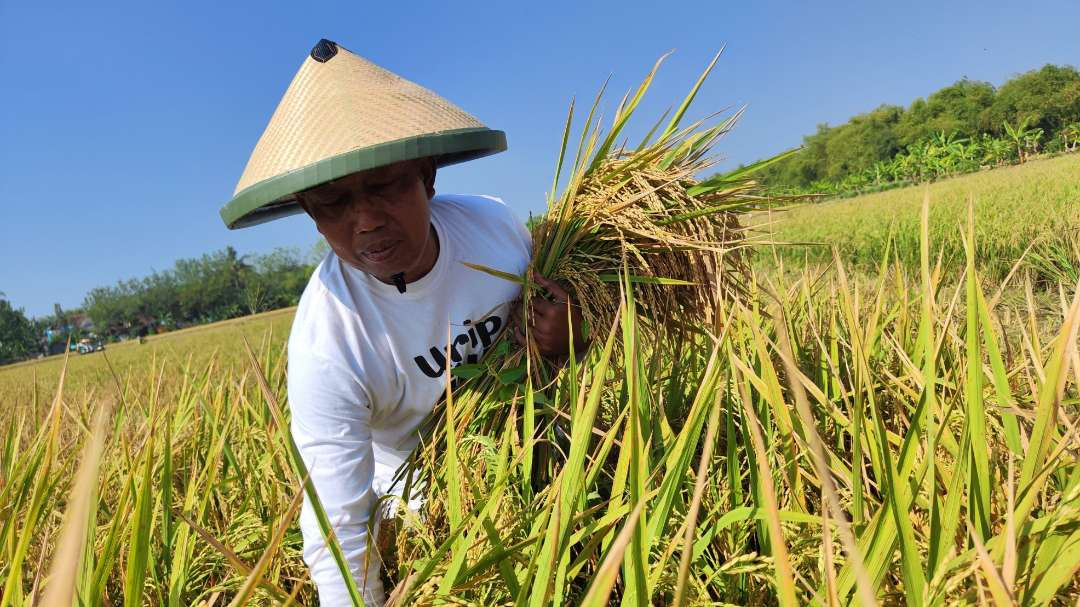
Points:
(125, 125)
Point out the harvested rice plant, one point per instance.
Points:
(731, 435)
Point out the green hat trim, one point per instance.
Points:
(275, 197)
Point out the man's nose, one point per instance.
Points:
(367, 217)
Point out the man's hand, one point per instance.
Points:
(550, 324)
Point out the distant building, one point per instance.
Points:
(81, 321)
(64, 326)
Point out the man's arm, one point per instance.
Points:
(331, 426)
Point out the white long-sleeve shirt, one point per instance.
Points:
(367, 365)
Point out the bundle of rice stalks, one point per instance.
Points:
(628, 219)
(642, 212)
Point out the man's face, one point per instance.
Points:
(378, 220)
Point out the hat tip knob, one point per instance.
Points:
(324, 50)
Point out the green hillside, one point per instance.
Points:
(953, 130)
(1037, 204)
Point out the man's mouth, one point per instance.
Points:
(380, 251)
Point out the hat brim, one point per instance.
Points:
(275, 197)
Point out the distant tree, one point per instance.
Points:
(216, 286)
(318, 251)
(804, 168)
(1032, 140)
(1022, 137)
(956, 109)
(994, 151)
(864, 140)
(236, 268)
(1071, 136)
(18, 337)
(1049, 98)
(955, 129)
(279, 278)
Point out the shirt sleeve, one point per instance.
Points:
(331, 427)
(520, 230)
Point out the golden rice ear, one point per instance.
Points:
(685, 253)
(342, 114)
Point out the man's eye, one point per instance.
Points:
(386, 186)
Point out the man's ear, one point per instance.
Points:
(303, 205)
(428, 172)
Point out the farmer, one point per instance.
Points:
(357, 149)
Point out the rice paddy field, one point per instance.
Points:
(914, 442)
(1035, 205)
(887, 428)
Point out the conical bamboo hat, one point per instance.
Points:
(342, 114)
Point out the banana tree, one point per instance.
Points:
(949, 151)
(881, 172)
(994, 151)
(918, 161)
(1071, 136)
(1032, 140)
(1019, 136)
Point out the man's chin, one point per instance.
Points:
(381, 274)
(385, 270)
(379, 271)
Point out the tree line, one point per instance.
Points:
(18, 334)
(216, 286)
(963, 127)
